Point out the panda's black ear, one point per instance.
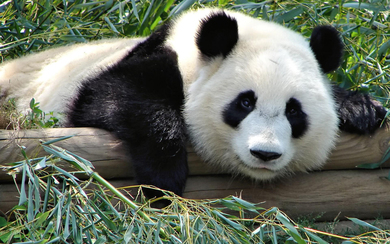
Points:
(217, 35)
(151, 44)
(327, 47)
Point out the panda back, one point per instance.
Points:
(53, 77)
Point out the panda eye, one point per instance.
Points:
(293, 108)
(246, 103)
(292, 111)
(242, 105)
(297, 118)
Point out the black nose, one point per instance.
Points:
(264, 155)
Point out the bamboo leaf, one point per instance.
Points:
(247, 205)
(292, 230)
(183, 5)
(364, 224)
(23, 196)
(228, 221)
(57, 140)
(30, 205)
(111, 25)
(384, 48)
(101, 240)
(68, 214)
(103, 216)
(314, 236)
(286, 17)
(41, 219)
(361, 5)
(135, 10)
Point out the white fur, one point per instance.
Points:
(52, 77)
(269, 59)
(277, 64)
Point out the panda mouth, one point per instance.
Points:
(258, 167)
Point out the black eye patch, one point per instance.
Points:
(296, 117)
(239, 108)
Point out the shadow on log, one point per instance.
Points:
(338, 188)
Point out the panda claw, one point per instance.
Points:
(358, 113)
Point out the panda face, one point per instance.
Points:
(263, 111)
(263, 139)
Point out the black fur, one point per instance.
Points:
(245, 103)
(140, 100)
(217, 35)
(327, 47)
(239, 108)
(358, 113)
(296, 117)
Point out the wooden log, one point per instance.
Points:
(354, 193)
(110, 159)
(98, 146)
(358, 193)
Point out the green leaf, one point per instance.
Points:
(228, 221)
(41, 219)
(68, 215)
(23, 196)
(274, 236)
(88, 4)
(57, 153)
(101, 240)
(103, 216)
(41, 164)
(314, 236)
(4, 236)
(247, 205)
(135, 10)
(30, 205)
(361, 5)
(183, 5)
(286, 17)
(272, 211)
(128, 234)
(57, 140)
(3, 222)
(292, 230)
(111, 25)
(363, 223)
(54, 240)
(383, 49)
(32, 103)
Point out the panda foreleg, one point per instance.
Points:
(153, 134)
(158, 151)
(140, 100)
(358, 113)
(151, 128)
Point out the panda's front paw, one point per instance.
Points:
(359, 113)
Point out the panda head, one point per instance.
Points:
(261, 104)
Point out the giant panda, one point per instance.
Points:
(251, 96)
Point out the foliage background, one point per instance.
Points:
(29, 26)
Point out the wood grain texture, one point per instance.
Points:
(352, 150)
(98, 146)
(362, 194)
(354, 193)
(358, 193)
(110, 159)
